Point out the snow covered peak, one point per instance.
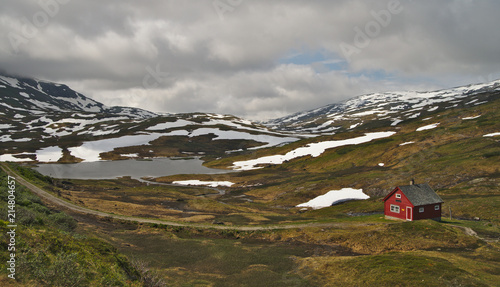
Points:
(393, 107)
(25, 95)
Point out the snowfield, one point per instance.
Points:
(335, 196)
(10, 157)
(50, 154)
(313, 149)
(204, 183)
(90, 151)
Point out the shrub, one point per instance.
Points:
(150, 278)
(62, 270)
(63, 221)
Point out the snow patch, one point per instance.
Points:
(5, 138)
(90, 151)
(23, 140)
(12, 158)
(84, 115)
(480, 103)
(11, 81)
(354, 126)
(428, 127)
(492, 135)
(313, 149)
(49, 154)
(204, 183)
(130, 155)
(335, 196)
(471, 118)
(170, 125)
(396, 122)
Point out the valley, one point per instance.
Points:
(247, 223)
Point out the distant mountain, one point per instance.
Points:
(48, 122)
(30, 96)
(385, 109)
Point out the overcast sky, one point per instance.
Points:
(257, 59)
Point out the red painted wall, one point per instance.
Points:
(429, 212)
(402, 202)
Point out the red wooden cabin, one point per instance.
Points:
(413, 202)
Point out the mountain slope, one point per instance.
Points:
(24, 96)
(47, 122)
(385, 109)
(42, 121)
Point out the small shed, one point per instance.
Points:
(413, 202)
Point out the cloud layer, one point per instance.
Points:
(257, 59)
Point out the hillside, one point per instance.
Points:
(50, 253)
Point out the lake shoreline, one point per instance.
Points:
(135, 168)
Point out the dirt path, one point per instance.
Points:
(83, 210)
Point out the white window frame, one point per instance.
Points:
(420, 209)
(395, 208)
(436, 207)
(398, 195)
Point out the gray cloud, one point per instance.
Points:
(241, 63)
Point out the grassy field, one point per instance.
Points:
(357, 250)
(372, 252)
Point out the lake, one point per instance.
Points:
(134, 168)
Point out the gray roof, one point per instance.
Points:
(420, 194)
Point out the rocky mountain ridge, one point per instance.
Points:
(49, 122)
(385, 109)
(24, 96)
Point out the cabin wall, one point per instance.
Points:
(403, 203)
(429, 212)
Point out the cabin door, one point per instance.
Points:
(409, 214)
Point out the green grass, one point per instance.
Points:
(223, 262)
(372, 252)
(49, 253)
(391, 269)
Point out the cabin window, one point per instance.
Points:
(421, 209)
(394, 208)
(398, 195)
(436, 207)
